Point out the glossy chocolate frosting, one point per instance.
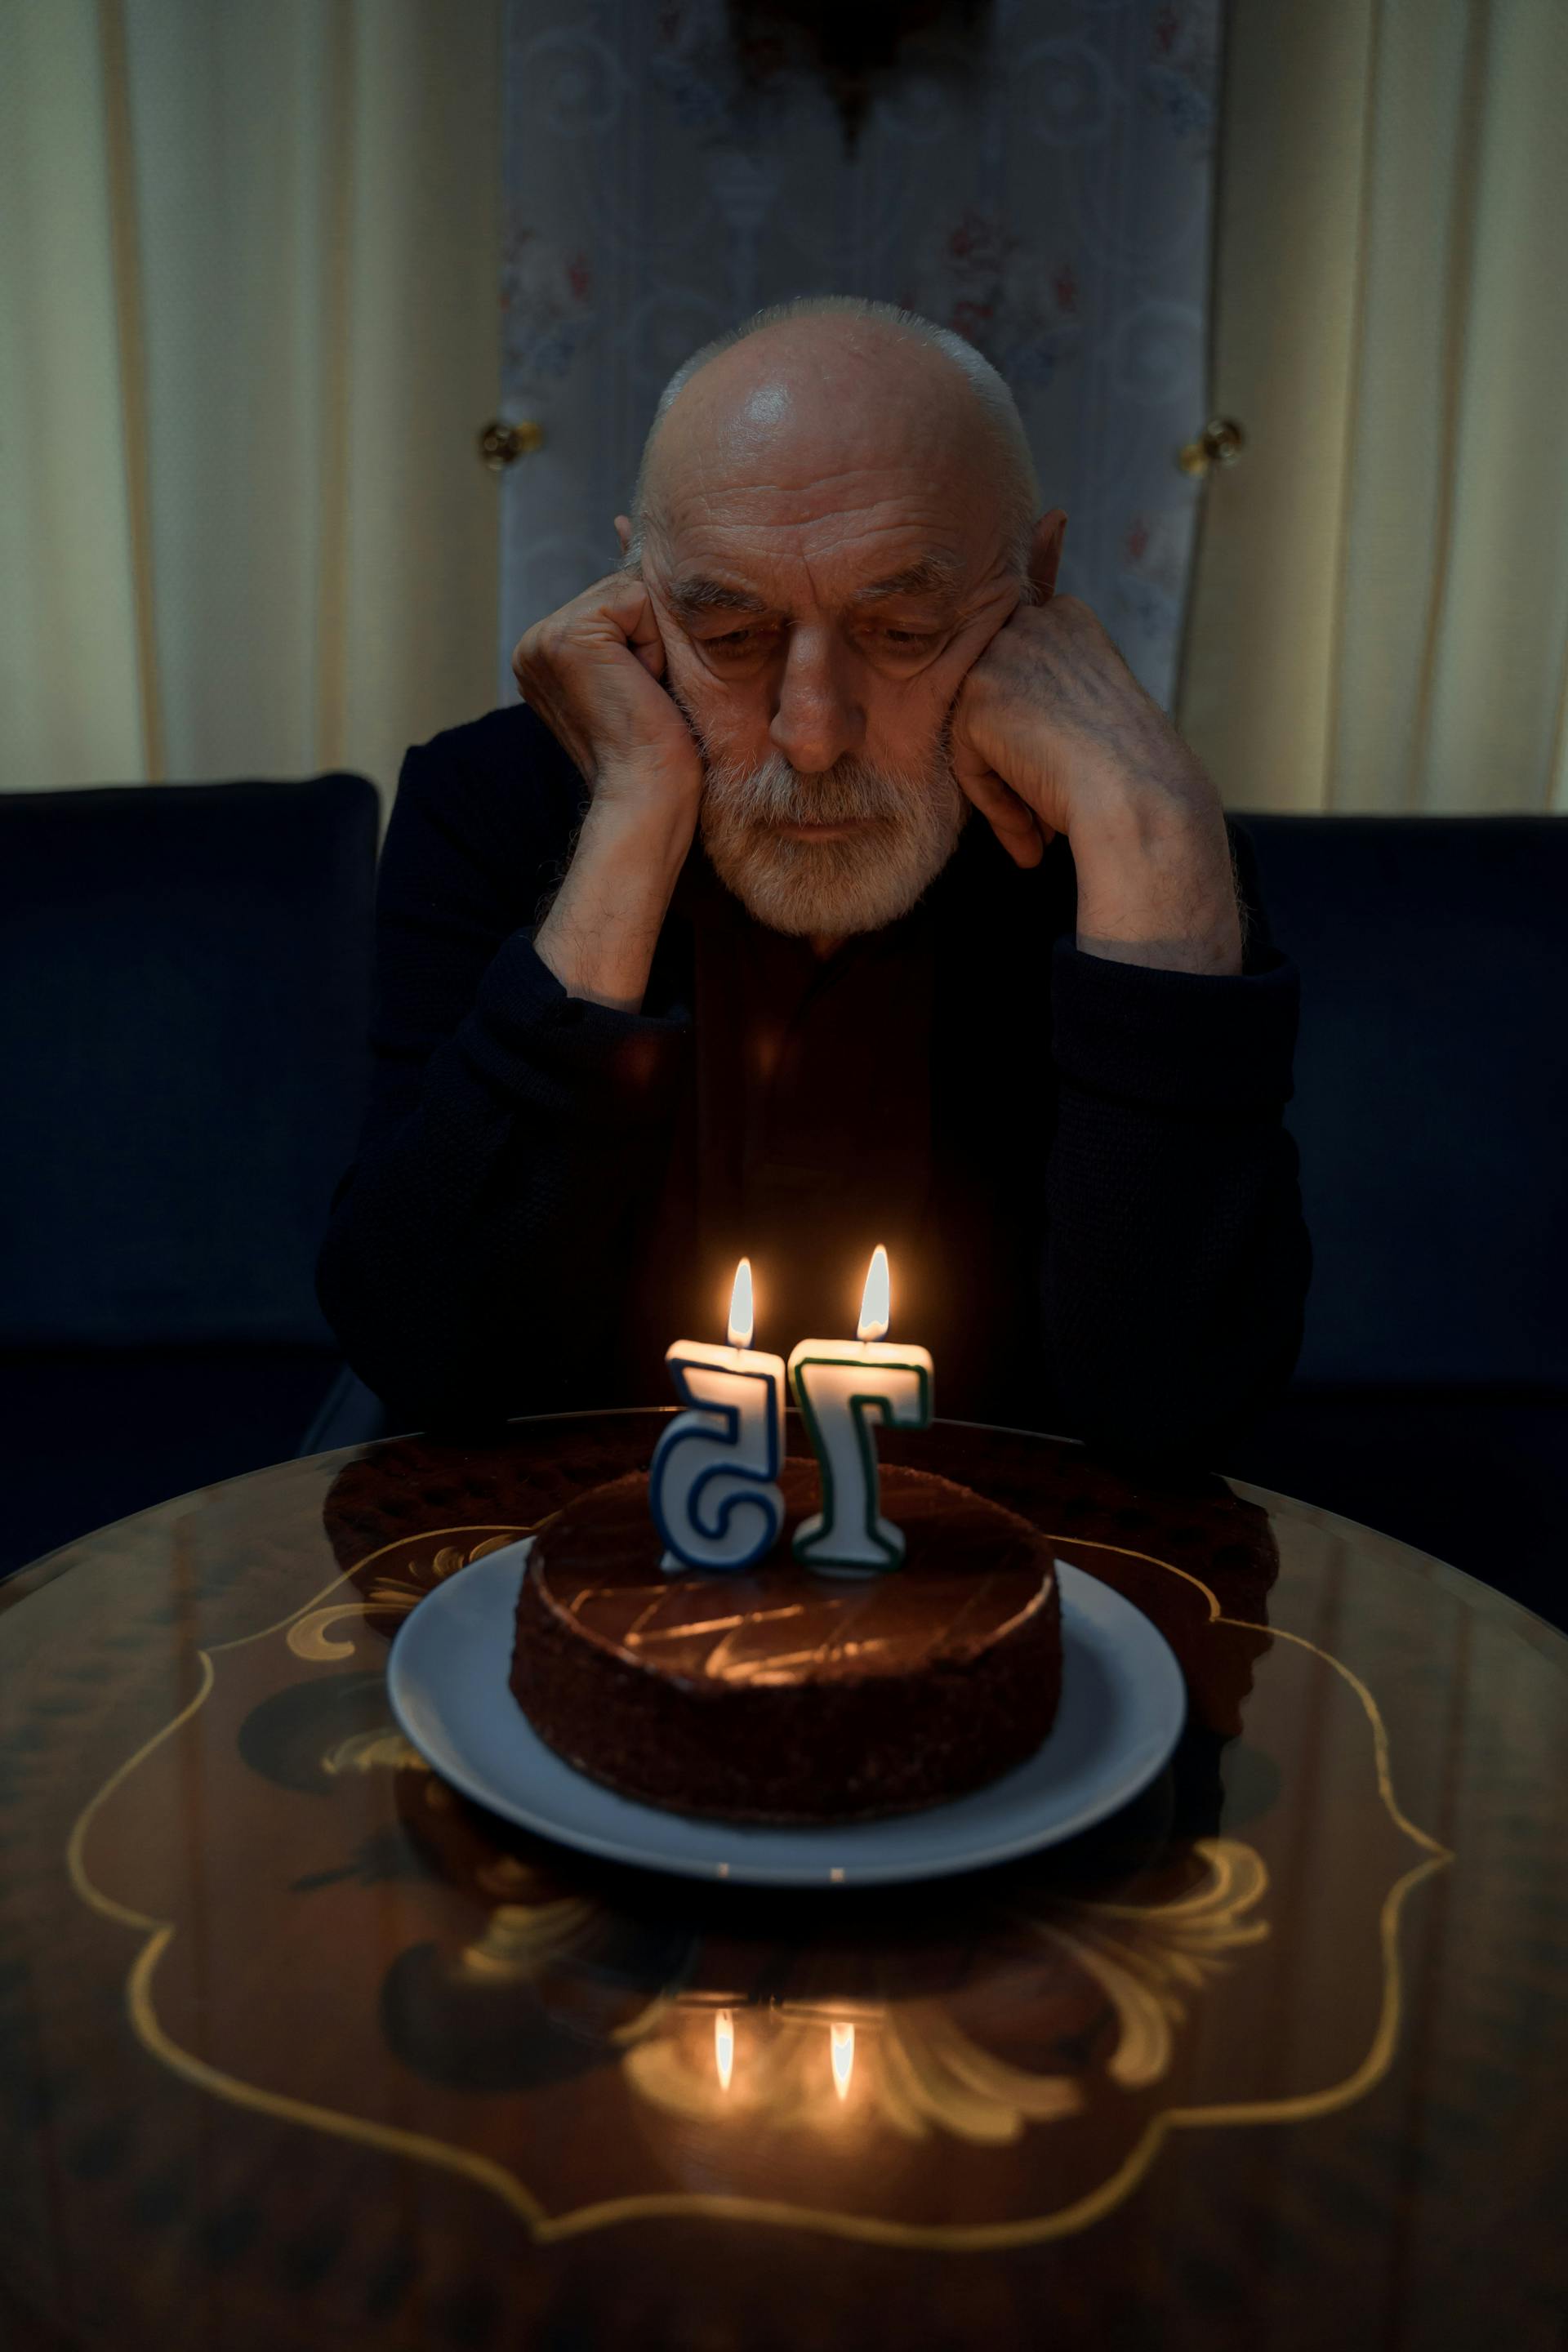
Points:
(777, 1692)
(970, 1573)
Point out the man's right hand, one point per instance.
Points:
(591, 671)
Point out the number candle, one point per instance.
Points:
(711, 1481)
(843, 1387)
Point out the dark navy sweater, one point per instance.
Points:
(1078, 1165)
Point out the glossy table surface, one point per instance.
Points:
(297, 2047)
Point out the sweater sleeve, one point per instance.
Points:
(1176, 1260)
(508, 1123)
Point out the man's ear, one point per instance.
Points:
(1045, 552)
(624, 532)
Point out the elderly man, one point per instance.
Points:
(836, 884)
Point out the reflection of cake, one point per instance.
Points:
(774, 1694)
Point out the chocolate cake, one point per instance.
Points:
(773, 1693)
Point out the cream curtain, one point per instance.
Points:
(1380, 606)
(249, 262)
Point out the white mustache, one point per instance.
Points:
(774, 795)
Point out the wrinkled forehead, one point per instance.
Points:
(820, 460)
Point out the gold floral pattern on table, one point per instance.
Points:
(714, 2059)
(392, 1594)
(990, 2061)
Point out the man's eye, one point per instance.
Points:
(905, 640)
(733, 641)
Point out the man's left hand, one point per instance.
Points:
(1050, 732)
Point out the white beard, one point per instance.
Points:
(831, 888)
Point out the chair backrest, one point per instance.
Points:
(1431, 1104)
(185, 979)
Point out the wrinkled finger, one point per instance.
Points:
(1014, 826)
(630, 608)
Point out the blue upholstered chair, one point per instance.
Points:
(185, 977)
(1431, 1108)
(349, 1414)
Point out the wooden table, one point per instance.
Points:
(298, 2048)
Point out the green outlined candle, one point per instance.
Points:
(711, 1482)
(843, 1389)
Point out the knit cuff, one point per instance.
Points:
(526, 1029)
(1188, 1040)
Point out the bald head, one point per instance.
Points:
(835, 515)
(818, 399)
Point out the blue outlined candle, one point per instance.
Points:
(843, 1389)
(710, 1482)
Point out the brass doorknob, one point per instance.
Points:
(502, 444)
(1220, 443)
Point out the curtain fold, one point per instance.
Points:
(1380, 614)
(70, 696)
(250, 264)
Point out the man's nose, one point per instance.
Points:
(817, 718)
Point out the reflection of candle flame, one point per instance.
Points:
(724, 2043)
(841, 2041)
(742, 1320)
(876, 1299)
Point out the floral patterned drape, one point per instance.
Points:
(1054, 206)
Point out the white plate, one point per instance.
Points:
(1122, 1706)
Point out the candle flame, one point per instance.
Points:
(841, 2043)
(743, 1316)
(876, 1299)
(724, 2042)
